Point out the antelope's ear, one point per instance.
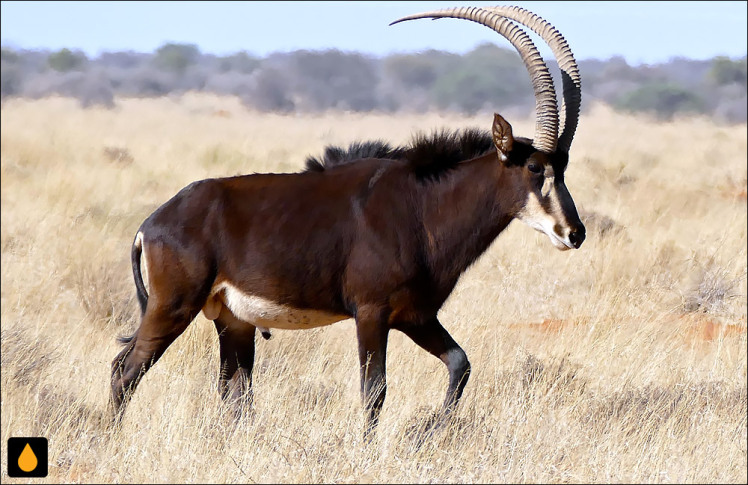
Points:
(502, 137)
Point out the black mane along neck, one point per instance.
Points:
(430, 155)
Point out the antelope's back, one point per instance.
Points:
(284, 237)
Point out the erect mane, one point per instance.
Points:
(430, 155)
(336, 156)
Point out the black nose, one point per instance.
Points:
(577, 237)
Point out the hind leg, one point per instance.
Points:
(158, 329)
(237, 350)
(179, 285)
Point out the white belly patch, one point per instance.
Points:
(264, 313)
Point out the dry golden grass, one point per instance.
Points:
(634, 376)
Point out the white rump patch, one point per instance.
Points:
(138, 243)
(264, 313)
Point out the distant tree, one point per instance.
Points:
(617, 67)
(66, 60)
(10, 73)
(145, 81)
(407, 80)
(486, 76)
(9, 55)
(10, 79)
(95, 90)
(176, 57)
(726, 71)
(122, 60)
(332, 79)
(466, 91)
(270, 93)
(240, 62)
(230, 83)
(412, 70)
(664, 100)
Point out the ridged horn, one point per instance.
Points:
(572, 83)
(546, 110)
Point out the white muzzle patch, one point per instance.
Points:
(547, 216)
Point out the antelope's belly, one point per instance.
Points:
(262, 312)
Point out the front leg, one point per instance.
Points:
(372, 330)
(434, 338)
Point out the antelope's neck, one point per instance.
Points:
(462, 215)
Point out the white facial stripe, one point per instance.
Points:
(264, 313)
(535, 215)
(547, 187)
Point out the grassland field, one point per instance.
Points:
(624, 361)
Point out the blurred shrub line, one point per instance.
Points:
(486, 78)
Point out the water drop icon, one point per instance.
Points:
(27, 460)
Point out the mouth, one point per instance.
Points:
(561, 244)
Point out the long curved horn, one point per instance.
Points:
(572, 83)
(546, 110)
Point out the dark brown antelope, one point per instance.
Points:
(376, 233)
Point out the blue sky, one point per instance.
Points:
(641, 32)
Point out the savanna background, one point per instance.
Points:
(624, 361)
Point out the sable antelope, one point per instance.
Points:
(376, 233)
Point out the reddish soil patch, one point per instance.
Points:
(694, 328)
(737, 194)
(707, 330)
(549, 325)
(735, 190)
(701, 328)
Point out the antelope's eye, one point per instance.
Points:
(534, 167)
